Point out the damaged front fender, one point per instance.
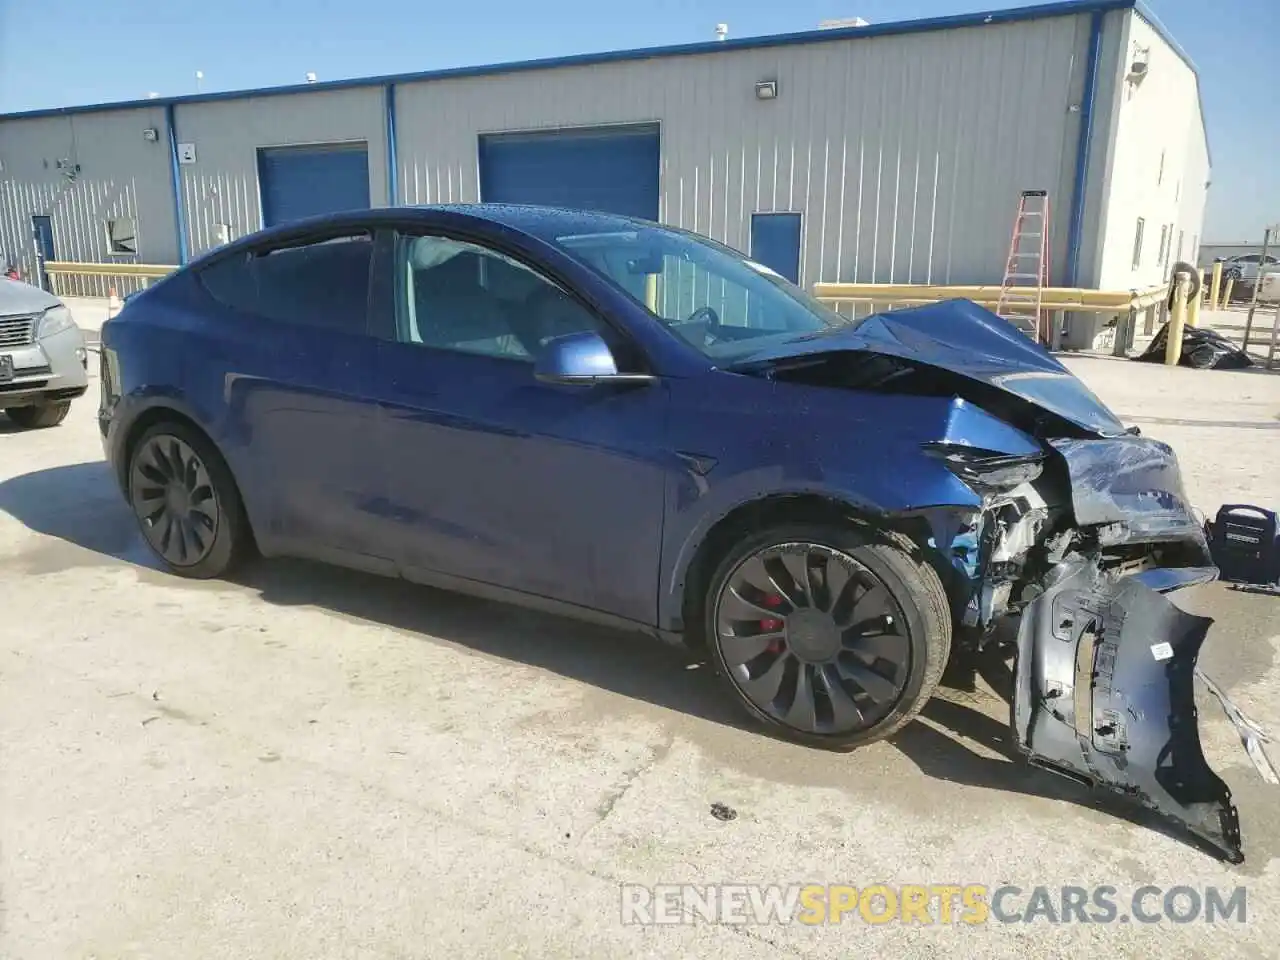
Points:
(1105, 695)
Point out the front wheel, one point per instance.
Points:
(828, 635)
(40, 416)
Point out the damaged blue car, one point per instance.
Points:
(633, 424)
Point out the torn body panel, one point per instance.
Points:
(1105, 695)
(1073, 531)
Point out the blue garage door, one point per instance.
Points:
(611, 169)
(299, 182)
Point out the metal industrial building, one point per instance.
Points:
(884, 153)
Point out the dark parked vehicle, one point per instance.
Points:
(630, 423)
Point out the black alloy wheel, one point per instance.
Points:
(837, 643)
(173, 499)
(186, 501)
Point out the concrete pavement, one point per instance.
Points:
(316, 763)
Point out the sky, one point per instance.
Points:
(68, 52)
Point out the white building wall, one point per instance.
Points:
(221, 187)
(1159, 164)
(904, 153)
(121, 174)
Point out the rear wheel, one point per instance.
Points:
(186, 502)
(40, 415)
(826, 634)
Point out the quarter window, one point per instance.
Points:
(320, 284)
(460, 296)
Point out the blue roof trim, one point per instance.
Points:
(1012, 15)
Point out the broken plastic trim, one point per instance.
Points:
(1105, 695)
(985, 470)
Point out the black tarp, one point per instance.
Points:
(1201, 348)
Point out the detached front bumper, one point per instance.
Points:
(1105, 695)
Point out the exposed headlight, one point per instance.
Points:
(55, 320)
(986, 470)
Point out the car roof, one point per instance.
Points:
(545, 223)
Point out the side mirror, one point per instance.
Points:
(583, 359)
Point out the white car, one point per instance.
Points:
(43, 360)
(1246, 267)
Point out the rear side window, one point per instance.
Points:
(323, 284)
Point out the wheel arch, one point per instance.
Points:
(166, 413)
(682, 605)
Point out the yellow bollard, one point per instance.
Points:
(1177, 317)
(1215, 286)
(1193, 309)
(651, 292)
(1226, 294)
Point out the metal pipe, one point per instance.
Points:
(393, 184)
(69, 268)
(1253, 302)
(175, 183)
(1275, 331)
(1173, 341)
(1226, 293)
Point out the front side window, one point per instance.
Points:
(460, 296)
(724, 304)
(320, 284)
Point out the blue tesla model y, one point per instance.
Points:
(622, 421)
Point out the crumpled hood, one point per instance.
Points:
(966, 339)
(17, 298)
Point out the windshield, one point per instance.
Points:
(713, 297)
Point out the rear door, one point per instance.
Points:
(299, 390)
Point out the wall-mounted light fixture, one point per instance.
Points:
(767, 90)
(151, 134)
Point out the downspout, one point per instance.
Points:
(175, 181)
(1079, 192)
(393, 192)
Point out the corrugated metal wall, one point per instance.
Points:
(221, 187)
(121, 174)
(904, 153)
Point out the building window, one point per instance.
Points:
(1137, 243)
(122, 237)
(1160, 175)
(1163, 255)
(1181, 236)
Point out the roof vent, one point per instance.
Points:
(843, 23)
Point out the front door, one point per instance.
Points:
(42, 231)
(555, 491)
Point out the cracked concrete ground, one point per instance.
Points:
(316, 763)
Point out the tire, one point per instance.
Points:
(41, 415)
(205, 515)
(886, 660)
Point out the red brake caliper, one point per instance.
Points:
(772, 624)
